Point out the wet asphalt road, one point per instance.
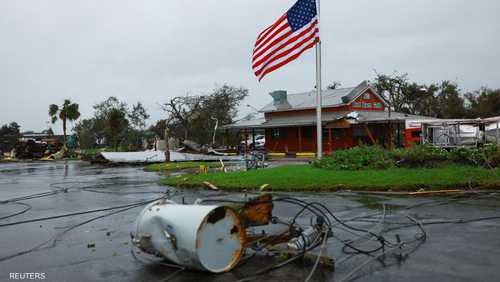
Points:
(452, 252)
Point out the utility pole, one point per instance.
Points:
(319, 130)
(167, 147)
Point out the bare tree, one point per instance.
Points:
(182, 109)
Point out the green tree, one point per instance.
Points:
(138, 116)
(117, 122)
(101, 126)
(442, 100)
(483, 103)
(66, 112)
(9, 133)
(448, 102)
(85, 133)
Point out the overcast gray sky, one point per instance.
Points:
(149, 51)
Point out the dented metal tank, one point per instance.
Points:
(209, 238)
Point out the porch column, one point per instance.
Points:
(330, 142)
(245, 135)
(399, 135)
(423, 129)
(253, 138)
(389, 135)
(225, 140)
(300, 138)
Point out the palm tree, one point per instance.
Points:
(68, 111)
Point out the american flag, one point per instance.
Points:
(285, 40)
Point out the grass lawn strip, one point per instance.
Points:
(309, 178)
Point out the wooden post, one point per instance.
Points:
(368, 131)
(167, 147)
(389, 135)
(330, 145)
(245, 135)
(423, 134)
(399, 134)
(253, 138)
(300, 138)
(225, 140)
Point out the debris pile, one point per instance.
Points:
(214, 234)
(33, 149)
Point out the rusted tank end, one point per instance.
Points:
(220, 241)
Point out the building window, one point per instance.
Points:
(338, 133)
(356, 104)
(377, 105)
(367, 96)
(279, 133)
(307, 132)
(367, 105)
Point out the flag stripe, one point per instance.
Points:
(269, 29)
(275, 47)
(275, 32)
(287, 31)
(306, 38)
(291, 58)
(284, 41)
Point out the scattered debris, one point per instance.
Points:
(28, 148)
(213, 238)
(211, 186)
(91, 245)
(422, 192)
(157, 157)
(203, 169)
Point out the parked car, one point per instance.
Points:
(260, 141)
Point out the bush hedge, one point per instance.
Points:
(376, 157)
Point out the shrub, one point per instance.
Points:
(488, 155)
(420, 156)
(375, 157)
(361, 157)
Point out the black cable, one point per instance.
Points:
(27, 208)
(78, 213)
(57, 236)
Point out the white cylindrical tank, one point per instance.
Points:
(210, 238)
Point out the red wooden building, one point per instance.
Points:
(350, 116)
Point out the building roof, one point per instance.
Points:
(330, 97)
(354, 117)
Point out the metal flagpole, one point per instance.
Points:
(319, 131)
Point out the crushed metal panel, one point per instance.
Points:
(159, 157)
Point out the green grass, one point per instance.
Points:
(179, 165)
(307, 177)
